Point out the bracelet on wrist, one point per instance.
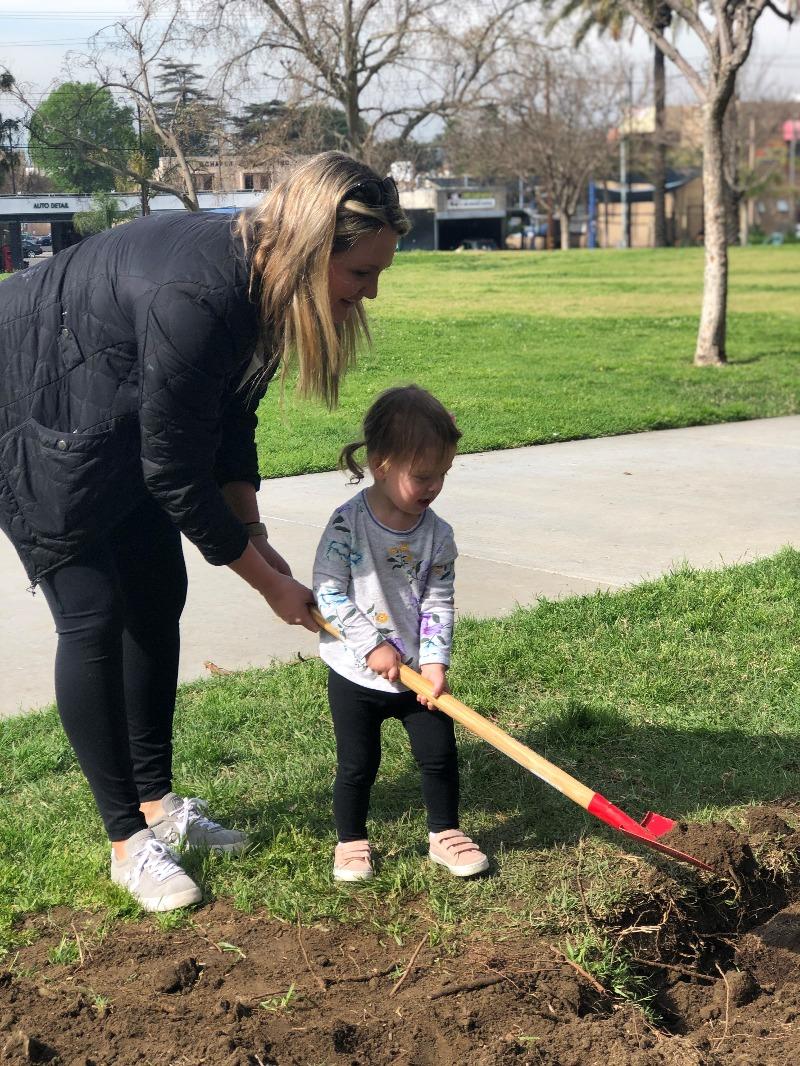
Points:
(256, 529)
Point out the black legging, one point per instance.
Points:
(358, 714)
(117, 609)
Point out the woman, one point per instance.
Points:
(131, 366)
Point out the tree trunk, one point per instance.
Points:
(710, 349)
(659, 150)
(564, 219)
(744, 221)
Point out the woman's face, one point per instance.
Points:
(353, 274)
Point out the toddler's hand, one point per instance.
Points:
(436, 673)
(385, 660)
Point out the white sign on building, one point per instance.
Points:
(470, 201)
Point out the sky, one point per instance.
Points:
(35, 40)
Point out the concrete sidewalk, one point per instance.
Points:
(551, 521)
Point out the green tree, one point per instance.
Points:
(9, 157)
(183, 105)
(305, 127)
(105, 213)
(78, 123)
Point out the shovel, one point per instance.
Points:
(651, 827)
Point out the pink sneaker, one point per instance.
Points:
(457, 852)
(351, 861)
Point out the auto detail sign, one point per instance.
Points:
(42, 204)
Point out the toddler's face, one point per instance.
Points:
(412, 488)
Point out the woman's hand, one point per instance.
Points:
(291, 601)
(288, 598)
(385, 660)
(436, 673)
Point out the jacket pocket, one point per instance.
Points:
(67, 482)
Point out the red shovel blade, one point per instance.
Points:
(674, 853)
(656, 824)
(623, 823)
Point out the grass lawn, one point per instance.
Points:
(532, 348)
(680, 696)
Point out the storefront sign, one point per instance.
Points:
(465, 200)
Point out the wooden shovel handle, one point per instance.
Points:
(486, 730)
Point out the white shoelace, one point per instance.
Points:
(157, 860)
(192, 812)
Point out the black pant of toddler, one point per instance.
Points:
(117, 609)
(358, 714)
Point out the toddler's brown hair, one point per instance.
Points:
(403, 424)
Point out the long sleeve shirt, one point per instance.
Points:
(377, 584)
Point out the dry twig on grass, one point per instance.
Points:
(410, 965)
(579, 969)
(320, 983)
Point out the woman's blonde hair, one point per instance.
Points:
(323, 207)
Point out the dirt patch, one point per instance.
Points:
(719, 955)
(726, 851)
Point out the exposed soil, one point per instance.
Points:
(720, 955)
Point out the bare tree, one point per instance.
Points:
(389, 65)
(725, 29)
(755, 154)
(141, 47)
(612, 16)
(560, 118)
(551, 121)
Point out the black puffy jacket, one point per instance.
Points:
(121, 361)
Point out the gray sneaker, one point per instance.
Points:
(151, 875)
(184, 825)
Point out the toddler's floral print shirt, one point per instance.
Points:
(376, 584)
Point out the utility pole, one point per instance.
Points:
(549, 241)
(591, 235)
(795, 123)
(750, 203)
(623, 186)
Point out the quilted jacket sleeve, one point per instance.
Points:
(236, 458)
(189, 361)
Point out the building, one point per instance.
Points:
(58, 209)
(446, 211)
(684, 210)
(226, 172)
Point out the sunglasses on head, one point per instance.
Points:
(381, 192)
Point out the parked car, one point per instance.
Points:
(481, 244)
(46, 241)
(30, 246)
(525, 236)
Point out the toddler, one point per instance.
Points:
(383, 575)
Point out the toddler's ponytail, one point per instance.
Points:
(347, 461)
